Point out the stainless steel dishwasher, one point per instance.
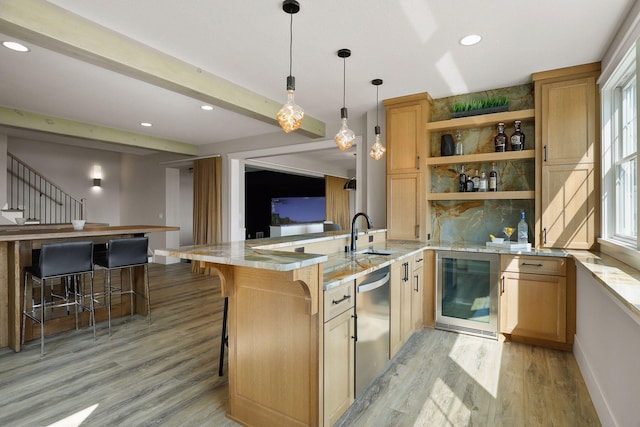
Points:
(372, 327)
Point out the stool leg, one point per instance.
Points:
(223, 337)
(42, 310)
(92, 313)
(148, 297)
(24, 309)
(131, 291)
(108, 290)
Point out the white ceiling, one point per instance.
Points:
(411, 44)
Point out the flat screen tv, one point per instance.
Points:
(297, 210)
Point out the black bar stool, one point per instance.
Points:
(124, 253)
(224, 337)
(67, 260)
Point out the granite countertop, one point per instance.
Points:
(340, 267)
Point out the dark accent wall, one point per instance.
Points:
(261, 186)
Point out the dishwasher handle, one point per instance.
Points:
(369, 286)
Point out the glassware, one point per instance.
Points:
(508, 231)
(523, 230)
(459, 146)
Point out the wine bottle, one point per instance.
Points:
(500, 140)
(493, 178)
(523, 230)
(459, 145)
(462, 181)
(476, 181)
(483, 182)
(517, 139)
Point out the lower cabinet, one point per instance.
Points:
(407, 293)
(339, 351)
(533, 299)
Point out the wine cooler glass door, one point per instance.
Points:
(467, 292)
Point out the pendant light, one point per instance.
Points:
(290, 115)
(377, 149)
(345, 136)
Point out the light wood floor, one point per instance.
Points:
(167, 374)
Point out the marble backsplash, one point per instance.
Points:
(473, 221)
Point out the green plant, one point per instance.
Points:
(478, 104)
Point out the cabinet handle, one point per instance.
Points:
(417, 231)
(420, 260)
(344, 298)
(417, 277)
(355, 327)
(406, 271)
(544, 153)
(544, 234)
(532, 264)
(418, 162)
(502, 287)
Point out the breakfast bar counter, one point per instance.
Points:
(16, 245)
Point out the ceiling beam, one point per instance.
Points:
(55, 125)
(54, 28)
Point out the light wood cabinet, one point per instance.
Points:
(567, 127)
(406, 142)
(339, 351)
(533, 299)
(417, 292)
(338, 366)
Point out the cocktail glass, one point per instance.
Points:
(508, 231)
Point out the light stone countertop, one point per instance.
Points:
(618, 278)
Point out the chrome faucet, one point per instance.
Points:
(354, 235)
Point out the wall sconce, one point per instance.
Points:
(97, 182)
(350, 185)
(97, 176)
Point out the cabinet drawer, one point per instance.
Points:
(338, 299)
(534, 265)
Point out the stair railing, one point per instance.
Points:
(38, 197)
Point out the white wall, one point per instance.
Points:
(3, 176)
(71, 168)
(376, 172)
(607, 349)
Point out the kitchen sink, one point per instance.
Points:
(375, 252)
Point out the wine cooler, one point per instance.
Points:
(467, 292)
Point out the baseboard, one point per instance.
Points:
(598, 399)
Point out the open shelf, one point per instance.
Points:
(481, 157)
(481, 120)
(489, 195)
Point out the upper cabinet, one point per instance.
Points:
(406, 140)
(567, 127)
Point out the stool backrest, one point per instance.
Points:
(127, 251)
(57, 259)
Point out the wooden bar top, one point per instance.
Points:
(13, 233)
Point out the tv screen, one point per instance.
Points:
(297, 210)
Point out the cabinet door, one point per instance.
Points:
(395, 334)
(406, 304)
(569, 131)
(403, 191)
(568, 206)
(404, 130)
(417, 292)
(339, 366)
(533, 306)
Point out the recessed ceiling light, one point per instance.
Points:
(207, 107)
(15, 46)
(470, 40)
(145, 124)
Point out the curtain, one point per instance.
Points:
(207, 209)
(337, 199)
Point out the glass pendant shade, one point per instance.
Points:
(291, 114)
(345, 136)
(377, 149)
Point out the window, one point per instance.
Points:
(620, 155)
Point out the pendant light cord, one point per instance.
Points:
(344, 81)
(290, 43)
(377, 103)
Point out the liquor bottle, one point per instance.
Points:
(500, 139)
(462, 181)
(483, 182)
(476, 181)
(470, 185)
(517, 139)
(459, 145)
(493, 178)
(523, 230)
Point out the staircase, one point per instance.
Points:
(34, 199)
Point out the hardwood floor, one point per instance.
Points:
(167, 374)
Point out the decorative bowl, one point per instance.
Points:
(21, 221)
(78, 224)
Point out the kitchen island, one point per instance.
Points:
(16, 245)
(279, 315)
